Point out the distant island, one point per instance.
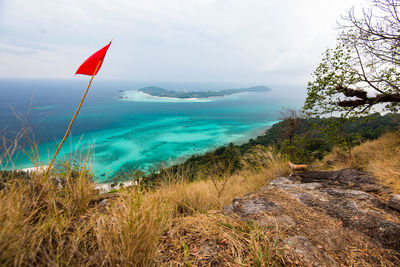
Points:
(161, 92)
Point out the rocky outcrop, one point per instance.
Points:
(394, 202)
(324, 215)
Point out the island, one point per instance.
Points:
(161, 92)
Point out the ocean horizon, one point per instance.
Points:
(136, 132)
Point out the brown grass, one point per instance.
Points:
(380, 157)
(128, 234)
(201, 196)
(46, 221)
(216, 239)
(60, 223)
(40, 221)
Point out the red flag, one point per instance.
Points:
(94, 61)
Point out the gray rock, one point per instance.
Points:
(280, 181)
(310, 255)
(374, 188)
(349, 193)
(307, 186)
(279, 221)
(344, 177)
(338, 195)
(394, 202)
(249, 207)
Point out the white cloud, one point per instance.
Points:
(260, 41)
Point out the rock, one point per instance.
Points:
(311, 256)
(394, 202)
(284, 221)
(281, 180)
(246, 207)
(357, 194)
(307, 186)
(103, 200)
(334, 210)
(344, 177)
(104, 203)
(374, 188)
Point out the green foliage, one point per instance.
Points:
(361, 74)
(186, 255)
(334, 72)
(297, 149)
(334, 132)
(313, 138)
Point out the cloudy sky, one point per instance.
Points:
(247, 41)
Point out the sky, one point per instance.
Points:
(243, 41)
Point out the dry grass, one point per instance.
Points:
(128, 234)
(216, 239)
(47, 224)
(201, 196)
(40, 222)
(62, 224)
(380, 157)
(58, 222)
(213, 239)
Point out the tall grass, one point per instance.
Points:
(45, 218)
(128, 234)
(57, 221)
(213, 193)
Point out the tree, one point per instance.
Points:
(292, 143)
(291, 120)
(363, 72)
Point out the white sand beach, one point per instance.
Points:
(38, 169)
(103, 188)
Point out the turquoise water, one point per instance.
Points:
(138, 132)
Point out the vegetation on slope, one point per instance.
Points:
(312, 139)
(65, 221)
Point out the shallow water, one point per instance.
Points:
(138, 132)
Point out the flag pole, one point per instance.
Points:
(72, 121)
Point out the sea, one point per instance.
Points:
(123, 130)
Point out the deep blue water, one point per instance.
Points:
(136, 133)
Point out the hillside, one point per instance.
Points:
(310, 142)
(225, 219)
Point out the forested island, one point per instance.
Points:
(161, 92)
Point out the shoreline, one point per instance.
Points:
(108, 185)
